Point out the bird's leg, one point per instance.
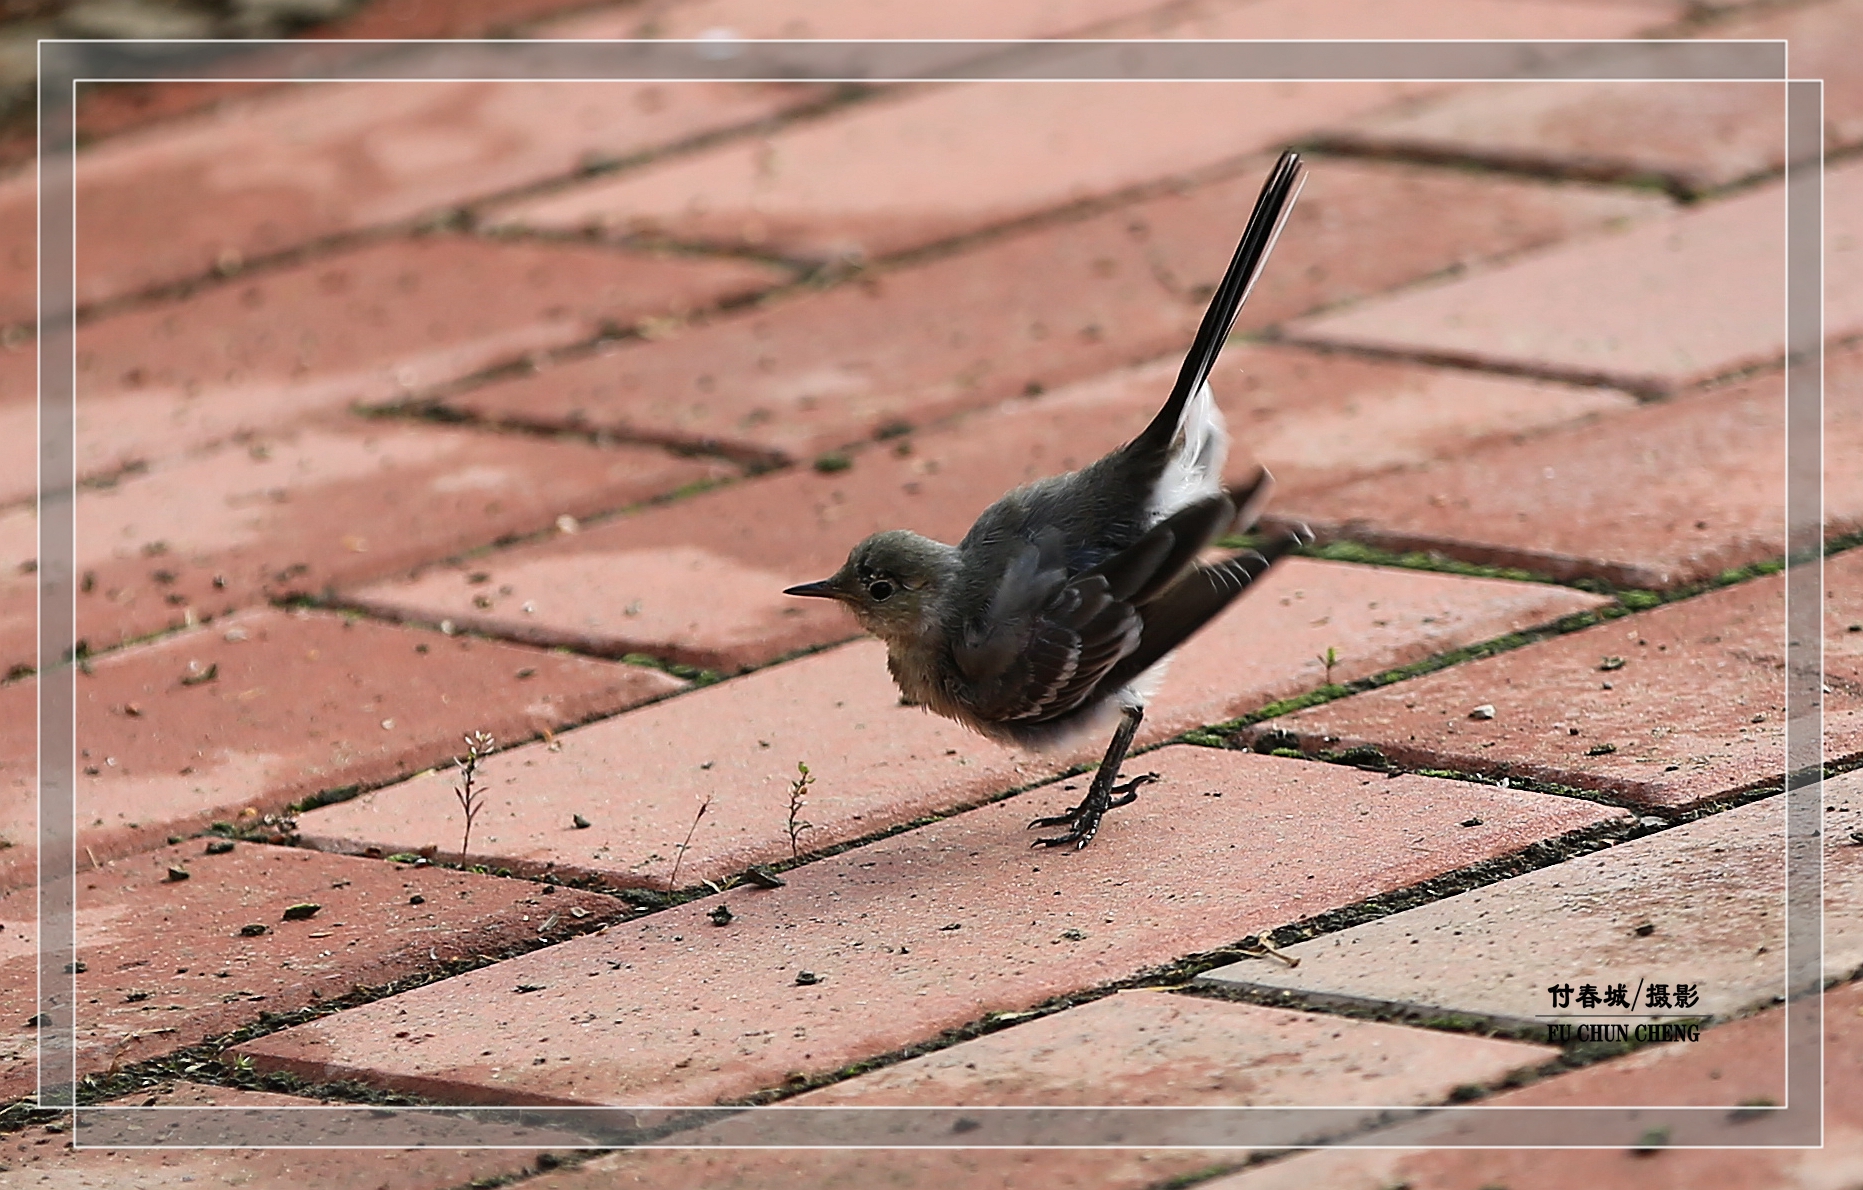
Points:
(1083, 820)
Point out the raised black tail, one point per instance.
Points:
(1264, 224)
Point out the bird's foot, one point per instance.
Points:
(1083, 820)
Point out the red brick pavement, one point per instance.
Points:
(1740, 1061)
(1667, 709)
(858, 20)
(354, 1156)
(700, 580)
(171, 962)
(105, 111)
(921, 932)
(929, 165)
(1695, 136)
(19, 413)
(268, 174)
(266, 708)
(370, 325)
(1692, 137)
(1134, 1048)
(1694, 907)
(898, 174)
(1655, 308)
(1101, 299)
(639, 778)
(1704, 469)
(295, 511)
(1207, 19)
(1032, 311)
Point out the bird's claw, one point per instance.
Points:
(1128, 791)
(1084, 819)
(1080, 836)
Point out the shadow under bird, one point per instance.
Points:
(1057, 612)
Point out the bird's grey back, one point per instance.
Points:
(1083, 506)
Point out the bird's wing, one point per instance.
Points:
(1041, 665)
(987, 647)
(1192, 602)
(1050, 642)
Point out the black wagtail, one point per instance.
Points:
(1064, 599)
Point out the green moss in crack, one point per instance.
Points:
(691, 673)
(325, 797)
(1184, 1181)
(1325, 694)
(1366, 555)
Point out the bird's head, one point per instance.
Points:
(888, 581)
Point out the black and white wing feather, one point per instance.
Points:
(1052, 645)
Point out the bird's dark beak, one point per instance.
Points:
(822, 590)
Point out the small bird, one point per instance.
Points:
(1061, 604)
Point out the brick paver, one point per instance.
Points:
(1843, 930)
(1691, 136)
(925, 166)
(39, 1156)
(930, 165)
(920, 932)
(369, 325)
(640, 778)
(19, 373)
(461, 18)
(1139, 1048)
(1695, 136)
(291, 705)
(1041, 308)
(1654, 308)
(108, 110)
(244, 479)
(19, 568)
(1700, 905)
(700, 580)
(1817, 33)
(19, 777)
(1036, 310)
(1264, 19)
(1660, 496)
(1365, 19)
(299, 510)
(19, 422)
(1843, 640)
(1148, 1048)
(19, 250)
(1739, 1061)
(982, 19)
(1666, 709)
(210, 977)
(270, 173)
(304, 165)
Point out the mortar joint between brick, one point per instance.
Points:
(1678, 187)
(1644, 390)
(1178, 974)
(455, 218)
(205, 1062)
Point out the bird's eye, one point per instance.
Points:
(880, 590)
